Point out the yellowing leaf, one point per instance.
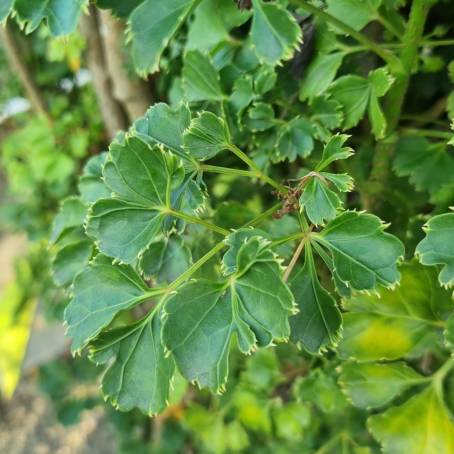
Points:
(422, 425)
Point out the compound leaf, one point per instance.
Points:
(100, 292)
(151, 25)
(165, 126)
(206, 136)
(318, 321)
(350, 238)
(70, 260)
(295, 139)
(200, 79)
(354, 13)
(353, 93)
(437, 248)
(166, 259)
(395, 322)
(213, 20)
(61, 15)
(319, 202)
(275, 34)
(91, 185)
(142, 179)
(428, 166)
(372, 385)
(334, 150)
(72, 214)
(140, 375)
(319, 74)
(254, 303)
(423, 424)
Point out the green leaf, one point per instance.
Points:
(334, 151)
(350, 238)
(197, 330)
(264, 80)
(295, 139)
(428, 166)
(151, 26)
(72, 214)
(356, 14)
(166, 259)
(291, 420)
(448, 332)
(377, 118)
(119, 8)
(327, 112)
(437, 248)
(140, 374)
(213, 20)
(69, 260)
(353, 93)
(61, 15)
(91, 186)
(318, 322)
(319, 74)
(242, 93)
(100, 292)
(381, 81)
(395, 322)
(206, 136)
(423, 424)
(165, 126)
(200, 79)
(275, 34)
(375, 385)
(202, 316)
(318, 201)
(260, 117)
(5, 8)
(142, 179)
(322, 389)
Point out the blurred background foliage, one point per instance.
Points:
(281, 400)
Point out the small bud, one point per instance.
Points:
(244, 4)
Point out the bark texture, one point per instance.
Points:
(13, 53)
(112, 112)
(133, 93)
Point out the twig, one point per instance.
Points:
(23, 72)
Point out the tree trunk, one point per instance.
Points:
(111, 110)
(13, 54)
(133, 93)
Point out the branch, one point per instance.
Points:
(217, 248)
(112, 113)
(384, 54)
(378, 180)
(258, 173)
(128, 90)
(13, 52)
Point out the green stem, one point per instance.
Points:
(192, 269)
(384, 54)
(196, 220)
(428, 133)
(437, 42)
(394, 101)
(258, 173)
(212, 252)
(261, 217)
(389, 26)
(227, 171)
(440, 375)
(294, 259)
